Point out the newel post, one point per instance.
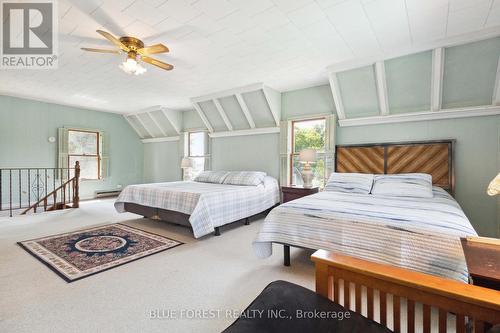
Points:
(76, 192)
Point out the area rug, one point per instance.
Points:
(79, 254)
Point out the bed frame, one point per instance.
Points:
(434, 157)
(363, 287)
(175, 217)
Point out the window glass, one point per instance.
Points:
(89, 166)
(83, 146)
(197, 153)
(82, 143)
(197, 144)
(308, 134)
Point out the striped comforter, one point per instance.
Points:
(209, 205)
(421, 234)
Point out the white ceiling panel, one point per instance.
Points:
(351, 22)
(306, 15)
(389, 22)
(259, 108)
(216, 45)
(213, 116)
(234, 112)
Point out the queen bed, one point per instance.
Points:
(418, 231)
(215, 199)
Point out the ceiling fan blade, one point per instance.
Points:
(153, 49)
(99, 50)
(113, 40)
(158, 63)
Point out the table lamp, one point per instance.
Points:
(494, 186)
(187, 165)
(307, 156)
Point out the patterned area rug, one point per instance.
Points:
(76, 255)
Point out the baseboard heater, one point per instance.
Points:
(106, 194)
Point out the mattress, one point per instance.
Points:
(421, 234)
(209, 205)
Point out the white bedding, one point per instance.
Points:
(422, 234)
(209, 205)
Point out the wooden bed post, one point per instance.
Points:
(322, 279)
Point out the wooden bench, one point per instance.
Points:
(340, 277)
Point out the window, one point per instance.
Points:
(308, 134)
(83, 146)
(197, 151)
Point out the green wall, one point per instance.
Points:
(476, 153)
(161, 162)
(26, 125)
(249, 152)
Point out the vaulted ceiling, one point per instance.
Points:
(221, 44)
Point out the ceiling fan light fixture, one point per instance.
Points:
(137, 53)
(131, 66)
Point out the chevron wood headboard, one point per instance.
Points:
(432, 157)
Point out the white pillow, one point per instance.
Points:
(216, 177)
(350, 183)
(245, 178)
(417, 185)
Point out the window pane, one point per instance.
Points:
(309, 134)
(197, 144)
(198, 165)
(82, 143)
(318, 169)
(88, 166)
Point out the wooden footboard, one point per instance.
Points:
(449, 300)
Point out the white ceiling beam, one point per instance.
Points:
(223, 115)
(496, 91)
(252, 131)
(165, 139)
(133, 126)
(245, 110)
(144, 125)
(230, 92)
(437, 78)
(148, 109)
(383, 100)
(273, 99)
(423, 116)
(203, 117)
(334, 86)
(157, 124)
(170, 119)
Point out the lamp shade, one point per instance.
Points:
(307, 155)
(494, 187)
(186, 162)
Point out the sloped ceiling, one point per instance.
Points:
(447, 82)
(246, 108)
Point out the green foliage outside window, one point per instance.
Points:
(309, 134)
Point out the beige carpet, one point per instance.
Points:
(212, 273)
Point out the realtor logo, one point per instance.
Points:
(29, 39)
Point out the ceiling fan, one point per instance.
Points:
(136, 52)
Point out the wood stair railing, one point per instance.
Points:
(75, 200)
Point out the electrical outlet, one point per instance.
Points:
(119, 186)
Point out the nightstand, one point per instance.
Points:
(483, 263)
(295, 192)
